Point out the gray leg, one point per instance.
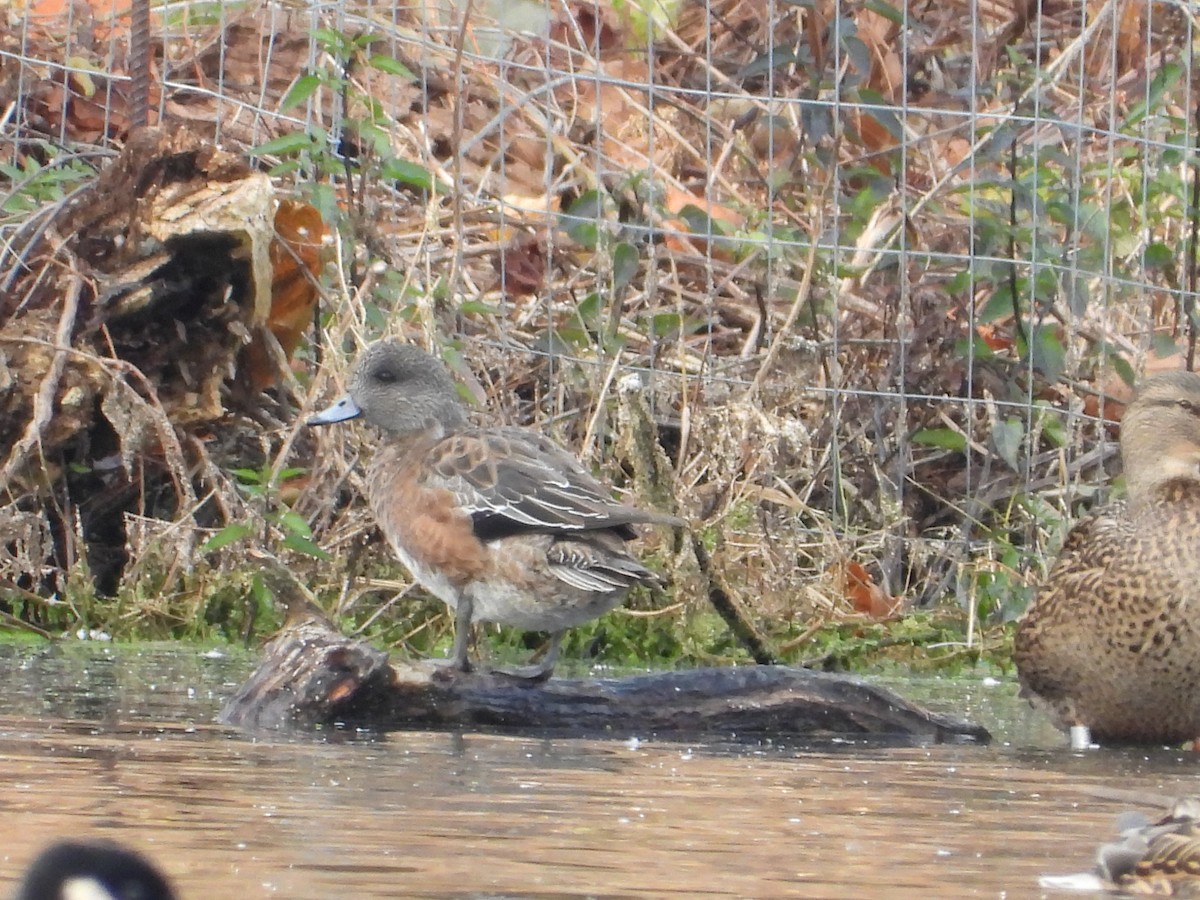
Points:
(462, 637)
(536, 671)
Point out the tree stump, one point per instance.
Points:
(313, 676)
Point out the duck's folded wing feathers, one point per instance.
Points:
(593, 566)
(511, 479)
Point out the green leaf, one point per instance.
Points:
(333, 41)
(288, 143)
(304, 87)
(700, 222)
(946, 438)
(586, 234)
(1164, 80)
(1047, 353)
(367, 38)
(409, 173)
(305, 546)
(665, 325)
(581, 220)
(999, 305)
(886, 10)
(1163, 345)
(285, 168)
(1123, 369)
(260, 592)
(569, 337)
(1053, 427)
(974, 346)
(589, 310)
(293, 522)
(391, 66)
(860, 58)
(378, 139)
(768, 61)
(477, 308)
(625, 264)
(881, 112)
(1007, 438)
(1158, 256)
(226, 536)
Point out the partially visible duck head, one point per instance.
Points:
(400, 389)
(93, 870)
(1160, 433)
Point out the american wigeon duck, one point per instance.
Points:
(93, 870)
(1110, 647)
(500, 523)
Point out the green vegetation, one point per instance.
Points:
(871, 330)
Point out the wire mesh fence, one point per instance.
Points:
(881, 274)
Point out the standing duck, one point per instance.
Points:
(500, 523)
(1110, 647)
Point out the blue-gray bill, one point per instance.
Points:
(341, 411)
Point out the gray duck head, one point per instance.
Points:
(1160, 433)
(400, 389)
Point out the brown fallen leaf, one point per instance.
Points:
(522, 264)
(865, 595)
(297, 255)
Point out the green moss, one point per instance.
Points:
(927, 641)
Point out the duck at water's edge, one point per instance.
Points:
(1110, 647)
(93, 870)
(500, 523)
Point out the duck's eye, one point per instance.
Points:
(386, 376)
(1189, 406)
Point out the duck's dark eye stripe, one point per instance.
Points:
(387, 376)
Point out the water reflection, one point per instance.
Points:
(117, 743)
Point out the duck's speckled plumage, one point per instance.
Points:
(1159, 859)
(500, 523)
(1112, 641)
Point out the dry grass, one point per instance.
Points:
(776, 251)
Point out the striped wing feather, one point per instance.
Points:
(512, 480)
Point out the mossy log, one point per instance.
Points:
(313, 676)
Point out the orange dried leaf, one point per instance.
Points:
(677, 200)
(297, 255)
(996, 339)
(865, 595)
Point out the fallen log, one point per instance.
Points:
(313, 676)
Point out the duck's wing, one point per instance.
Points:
(1075, 590)
(1093, 544)
(511, 480)
(1132, 561)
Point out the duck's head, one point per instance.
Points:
(400, 389)
(93, 870)
(1160, 432)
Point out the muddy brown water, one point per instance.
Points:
(119, 742)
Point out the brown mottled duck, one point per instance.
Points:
(1161, 859)
(1110, 647)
